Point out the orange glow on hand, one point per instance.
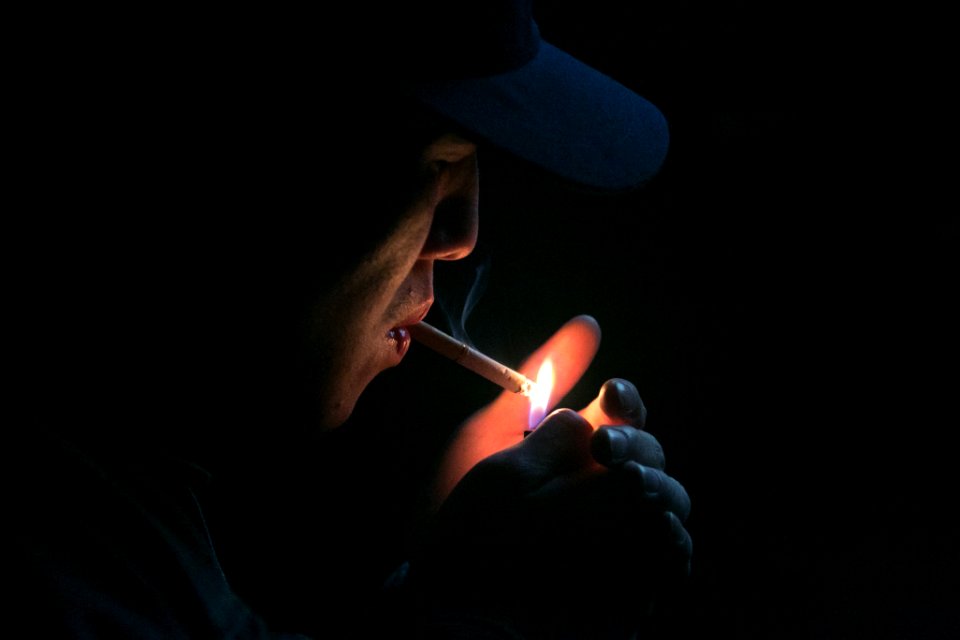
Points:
(501, 423)
(596, 416)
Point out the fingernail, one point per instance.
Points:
(620, 398)
(618, 445)
(651, 481)
(627, 394)
(674, 527)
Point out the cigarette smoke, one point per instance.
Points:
(458, 288)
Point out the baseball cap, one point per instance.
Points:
(483, 65)
(480, 64)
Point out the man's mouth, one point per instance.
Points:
(400, 335)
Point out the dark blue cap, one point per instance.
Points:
(483, 65)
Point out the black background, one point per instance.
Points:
(781, 294)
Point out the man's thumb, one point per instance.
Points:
(561, 443)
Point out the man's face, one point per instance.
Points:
(358, 330)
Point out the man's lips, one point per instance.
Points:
(399, 333)
(400, 336)
(415, 316)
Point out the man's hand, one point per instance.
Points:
(547, 539)
(501, 423)
(572, 531)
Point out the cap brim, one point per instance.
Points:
(563, 116)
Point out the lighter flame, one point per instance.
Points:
(540, 396)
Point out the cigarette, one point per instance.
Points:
(468, 357)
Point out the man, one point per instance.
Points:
(209, 336)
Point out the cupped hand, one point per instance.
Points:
(543, 536)
(501, 423)
(537, 530)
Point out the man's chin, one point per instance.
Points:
(335, 413)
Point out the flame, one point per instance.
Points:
(540, 396)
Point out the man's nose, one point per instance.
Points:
(453, 233)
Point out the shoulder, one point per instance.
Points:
(115, 545)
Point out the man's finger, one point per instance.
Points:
(560, 444)
(658, 489)
(616, 445)
(618, 402)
